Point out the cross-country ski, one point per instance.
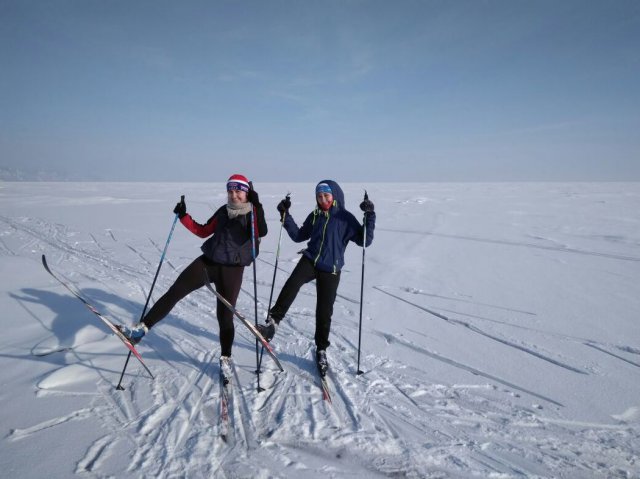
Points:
(244, 321)
(114, 329)
(326, 391)
(226, 399)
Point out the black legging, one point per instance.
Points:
(326, 290)
(227, 280)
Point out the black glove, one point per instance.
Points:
(181, 208)
(367, 204)
(252, 196)
(283, 207)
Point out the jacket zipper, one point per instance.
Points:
(324, 229)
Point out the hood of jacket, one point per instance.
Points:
(336, 191)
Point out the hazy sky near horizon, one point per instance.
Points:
(296, 90)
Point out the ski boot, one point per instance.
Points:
(321, 361)
(268, 329)
(225, 369)
(134, 333)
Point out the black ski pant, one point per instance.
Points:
(326, 290)
(227, 281)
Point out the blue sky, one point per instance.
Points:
(301, 90)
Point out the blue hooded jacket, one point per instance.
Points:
(330, 231)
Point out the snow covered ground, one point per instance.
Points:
(501, 338)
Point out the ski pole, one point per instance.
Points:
(255, 282)
(144, 310)
(273, 281)
(364, 243)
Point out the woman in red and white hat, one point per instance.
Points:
(226, 252)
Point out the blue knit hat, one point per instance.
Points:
(323, 188)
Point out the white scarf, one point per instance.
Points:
(235, 210)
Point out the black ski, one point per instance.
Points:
(244, 321)
(73, 290)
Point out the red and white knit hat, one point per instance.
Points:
(238, 182)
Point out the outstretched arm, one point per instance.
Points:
(203, 231)
(295, 233)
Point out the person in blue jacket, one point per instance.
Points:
(329, 228)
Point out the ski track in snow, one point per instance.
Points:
(521, 244)
(394, 420)
(527, 350)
